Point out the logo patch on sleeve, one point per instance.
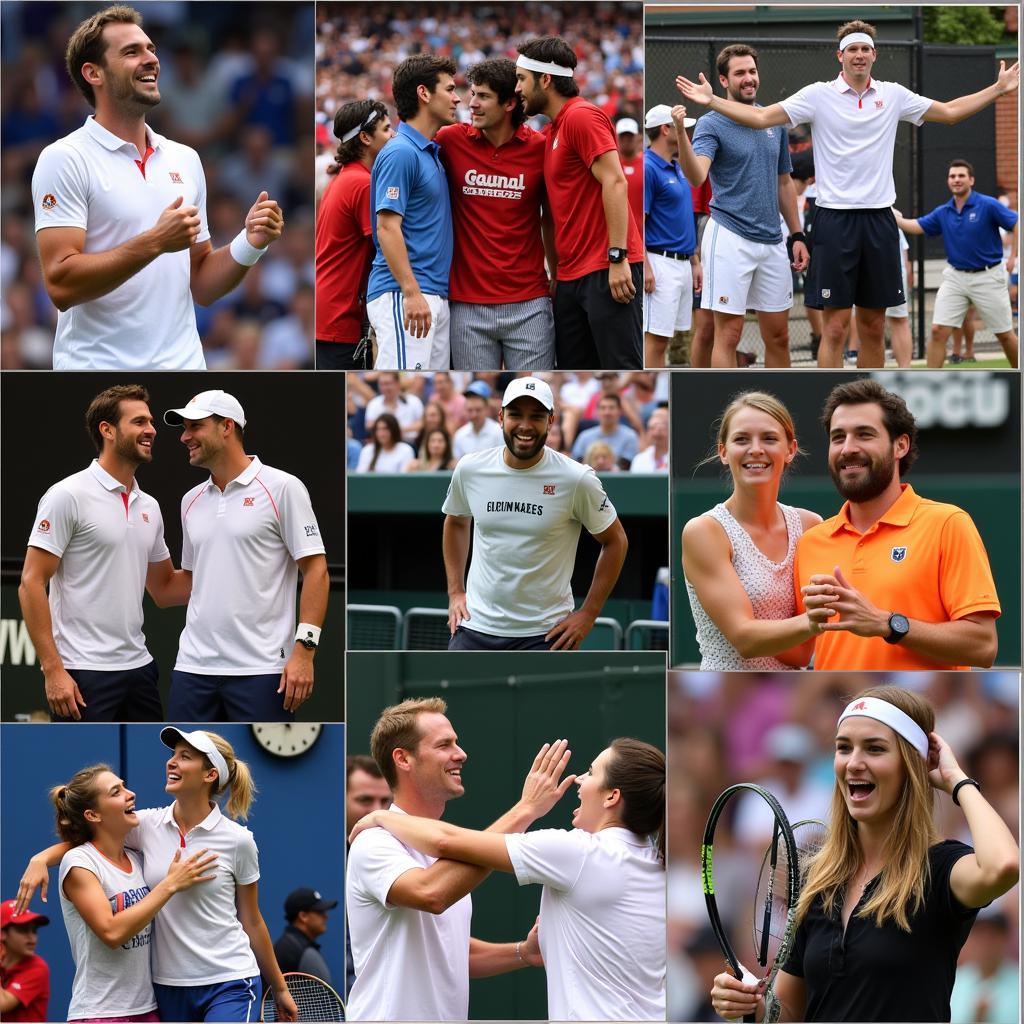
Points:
(392, 192)
(44, 526)
(49, 201)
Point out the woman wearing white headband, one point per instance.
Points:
(211, 943)
(887, 903)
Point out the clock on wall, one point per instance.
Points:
(287, 739)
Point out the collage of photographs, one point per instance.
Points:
(603, 416)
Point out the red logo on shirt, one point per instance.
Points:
(549, 488)
(49, 201)
(176, 177)
(44, 526)
(860, 706)
(878, 104)
(248, 502)
(145, 517)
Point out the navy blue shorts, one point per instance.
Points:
(226, 1000)
(473, 640)
(203, 698)
(129, 695)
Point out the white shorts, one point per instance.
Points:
(397, 349)
(669, 308)
(987, 289)
(900, 312)
(741, 275)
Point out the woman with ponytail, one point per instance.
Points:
(602, 909)
(887, 903)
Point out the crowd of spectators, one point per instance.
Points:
(779, 732)
(425, 422)
(235, 84)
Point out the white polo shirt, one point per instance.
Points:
(108, 982)
(410, 965)
(241, 546)
(602, 921)
(105, 548)
(526, 525)
(468, 439)
(198, 939)
(93, 180)
(408, 411)
(854, 138)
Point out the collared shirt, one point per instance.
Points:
(106, 537)
(408, 179)
(922, 558)
(971, 234)
(93, 180)
(296, 951)
(496, 202)
(241, 545)
(668, 206)
(468, 439)
(854, 138)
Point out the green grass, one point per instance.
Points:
(1002, 363)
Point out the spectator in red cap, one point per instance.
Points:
(24, 975)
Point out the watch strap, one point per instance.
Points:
(964, 782)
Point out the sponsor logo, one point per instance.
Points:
(549, 488)
(603, 505)
(44, 526)
(826, 293)
(176, 177)
(554, 145)
(392, 192)
(495, 186)
(531, 387)
(770, 132)
(145, 517)
(311, 530)
(861, 705)
(972, 216)
(49, 201)
(879, 104)
(527, 507)
(629, 170)
(724, 299)
(898, 554)
(248, 502)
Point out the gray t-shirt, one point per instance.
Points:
(745, 168)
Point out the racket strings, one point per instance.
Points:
(315, 1000)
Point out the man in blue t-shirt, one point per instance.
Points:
(969, 224)
(620, 437)
(407, 293)
(744, 257)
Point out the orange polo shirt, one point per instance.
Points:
(922, 558)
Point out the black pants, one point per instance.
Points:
(336, 355)
(130, 695)
(592, 330)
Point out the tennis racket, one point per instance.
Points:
(315, 999)
(775, 896)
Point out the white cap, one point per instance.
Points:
(662, 114)
(170, 737)
(529, 387)
(626, 126)
(207, 403)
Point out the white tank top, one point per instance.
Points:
(768, 584)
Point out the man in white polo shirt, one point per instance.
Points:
(247, 532)
(98, 543)
(121, 217)
(525, 503)
(856, 258)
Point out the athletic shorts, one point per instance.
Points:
(987, 289)
(199, 697)
(740, 274)
(855, 261)
(336, 355)
(223, 1001)
(399, 350)
(121, 695)
(473, 640)
(669, 308)
(592, 330)
(900, 312)
(509, 335)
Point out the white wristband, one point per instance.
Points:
(243, 252)
(308, 632)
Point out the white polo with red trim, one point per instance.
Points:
(241, 545)
(106, 538)
(93, 180)
(854, 137)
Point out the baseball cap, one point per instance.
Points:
(7, 915)
(480, 388)
(529, 387)
(169, 737)
(207, 403)
(662, 114)
(305, 899)
(626, 126)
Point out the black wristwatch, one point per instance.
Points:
(899, 627)
(616, 255)
(964, 782)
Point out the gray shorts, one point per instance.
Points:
(513, 335)
(471, 640)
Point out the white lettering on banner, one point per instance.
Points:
(953, 400)
(497, 186)
(16, 646)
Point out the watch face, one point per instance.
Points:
(900, 623)
(286, 739)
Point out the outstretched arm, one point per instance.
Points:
(700, 92)
(962, 107)
(908, 225)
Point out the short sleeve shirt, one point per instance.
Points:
(93, 180)
(668, 206)
(623, 441)
(29, 981)
(408, 179)
(468, 439)
(854, 138)
(970, 234)
(745, 168)
(526, 525)
(863, 975)
(922, 558)
(634, 172)
(105, 546)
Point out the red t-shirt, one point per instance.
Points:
(344, 252)
(29, 981)
(575, 139)
(634, 171)
(702, 196)
(496, 199)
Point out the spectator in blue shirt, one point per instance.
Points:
(621, 439)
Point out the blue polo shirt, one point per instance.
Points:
(408, 179)
(971, 234)
(668, 206)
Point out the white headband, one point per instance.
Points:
(543, 67)
(856, 37)
(890, 715)
(364, 127)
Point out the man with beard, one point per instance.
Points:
(121, 217)
(98, 543)
(908, 578)
(247, 533)
(744, 258)
(526, 503)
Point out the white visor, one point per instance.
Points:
(543, 67)
(899, 721)
(856, 37)
(170, 736)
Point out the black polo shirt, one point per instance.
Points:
(296, 951)
(885, 974)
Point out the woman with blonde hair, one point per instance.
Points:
(738, 556)
(887, 904)
(211, 944)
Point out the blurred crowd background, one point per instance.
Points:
(236, 85)
(779, 731)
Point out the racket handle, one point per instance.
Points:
(747, 979)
